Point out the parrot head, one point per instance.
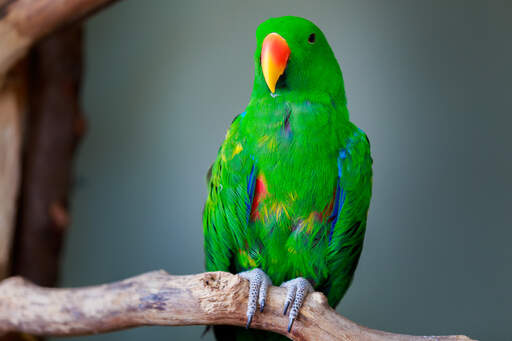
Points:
(293, 55)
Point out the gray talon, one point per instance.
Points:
(290, 324)
(298, 289)
(249, 320)
(258, 284)
(263, 291)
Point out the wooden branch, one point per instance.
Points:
(55, 124)
(22, 22)
(12, 111)
(157, 298)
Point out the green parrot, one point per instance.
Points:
(289, 192)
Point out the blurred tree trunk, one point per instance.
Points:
(55, 125)
(13, 103)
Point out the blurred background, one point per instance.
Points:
(428, 81)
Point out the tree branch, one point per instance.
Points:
(157, 298)
(22, 22)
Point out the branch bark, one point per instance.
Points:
(13, 103)
(157, 298)
(22, 22)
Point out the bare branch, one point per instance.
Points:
(22, 22)
(157, 298)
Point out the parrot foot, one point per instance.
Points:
(298, 289)
(258, 285)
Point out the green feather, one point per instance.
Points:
(303, 144)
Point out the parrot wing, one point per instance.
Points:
(227, 208)
(349, 215)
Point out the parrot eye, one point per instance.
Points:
(311, 38)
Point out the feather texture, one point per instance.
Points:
(290, 189)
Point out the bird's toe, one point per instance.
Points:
(258, 285)
(297, 290)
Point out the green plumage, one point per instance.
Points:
(315, 166)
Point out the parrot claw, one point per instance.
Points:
(298, 289)
(258, 285)
(290, 324)
(249, 320)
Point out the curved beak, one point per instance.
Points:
(274, 57)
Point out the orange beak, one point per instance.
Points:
(274, 57)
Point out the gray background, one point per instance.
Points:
(429, 81)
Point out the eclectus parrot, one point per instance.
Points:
(289, 192)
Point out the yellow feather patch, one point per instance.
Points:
(265, 212)
(308, 223)
(264, 139)
(270, 141)
(276, 210)
(293, 196)
(246, 260)
(237, 149)
(286, 212)
(280, 208)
